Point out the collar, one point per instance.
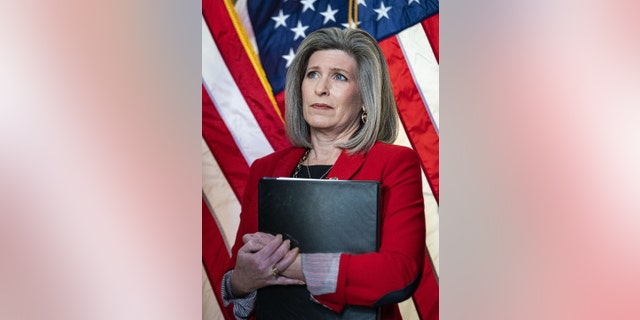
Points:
(344, 168)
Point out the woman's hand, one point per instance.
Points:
(257, 259)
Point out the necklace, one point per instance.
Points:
(301, 162)
(299, 165)
(322, 176)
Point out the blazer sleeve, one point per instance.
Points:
(392, 274)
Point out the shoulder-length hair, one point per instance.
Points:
(373, 81)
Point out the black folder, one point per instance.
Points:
(319, 216)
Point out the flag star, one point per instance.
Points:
(289, 57)
(346, 25)
(329, 14)
(362, 3)
(308, 4)
(299, 30)
(280, 19)
(382, 11)
(412, 1)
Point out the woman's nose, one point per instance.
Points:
(321, 87)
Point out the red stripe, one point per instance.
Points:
(280, 101)
(431, 27)
(413, 113)
(214, 256)
(237, 60)
(427, 296)
(223, 147)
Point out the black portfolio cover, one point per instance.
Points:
(319, 216)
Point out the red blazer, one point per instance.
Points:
(374, 279)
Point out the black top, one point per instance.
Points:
(316, 171)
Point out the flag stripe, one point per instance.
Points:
(243, 65)
(280, 101)
(430, 209)
(416, 121)
(229, 101)
(432, 222)
(214, 255)
(431, 27)
(408, 309)
(210, 308)
(249, 47)
(426, 297)
(223, 146)
(419, 56)
(243, 17)
(220, 197)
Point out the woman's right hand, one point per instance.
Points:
(256, 260)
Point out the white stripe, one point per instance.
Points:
(230, 103)
(224, 204)
(210, 308)
(408, 310)
(433, 233)
(243, 14)
(424, 68)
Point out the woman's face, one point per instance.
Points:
(331, 100)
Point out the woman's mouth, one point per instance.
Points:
(321, 106)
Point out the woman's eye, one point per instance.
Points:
(312, 74)
(340, 77)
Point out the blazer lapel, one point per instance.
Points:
(346, 166)
(286, 164)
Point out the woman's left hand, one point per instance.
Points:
(259, 263)
(292, 270)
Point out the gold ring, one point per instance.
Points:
(275, 272)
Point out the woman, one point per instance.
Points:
(340, 117)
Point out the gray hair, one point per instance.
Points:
(373, 81)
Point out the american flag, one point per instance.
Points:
(281, 26)
(246, 49)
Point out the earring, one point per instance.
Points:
(363, 117)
